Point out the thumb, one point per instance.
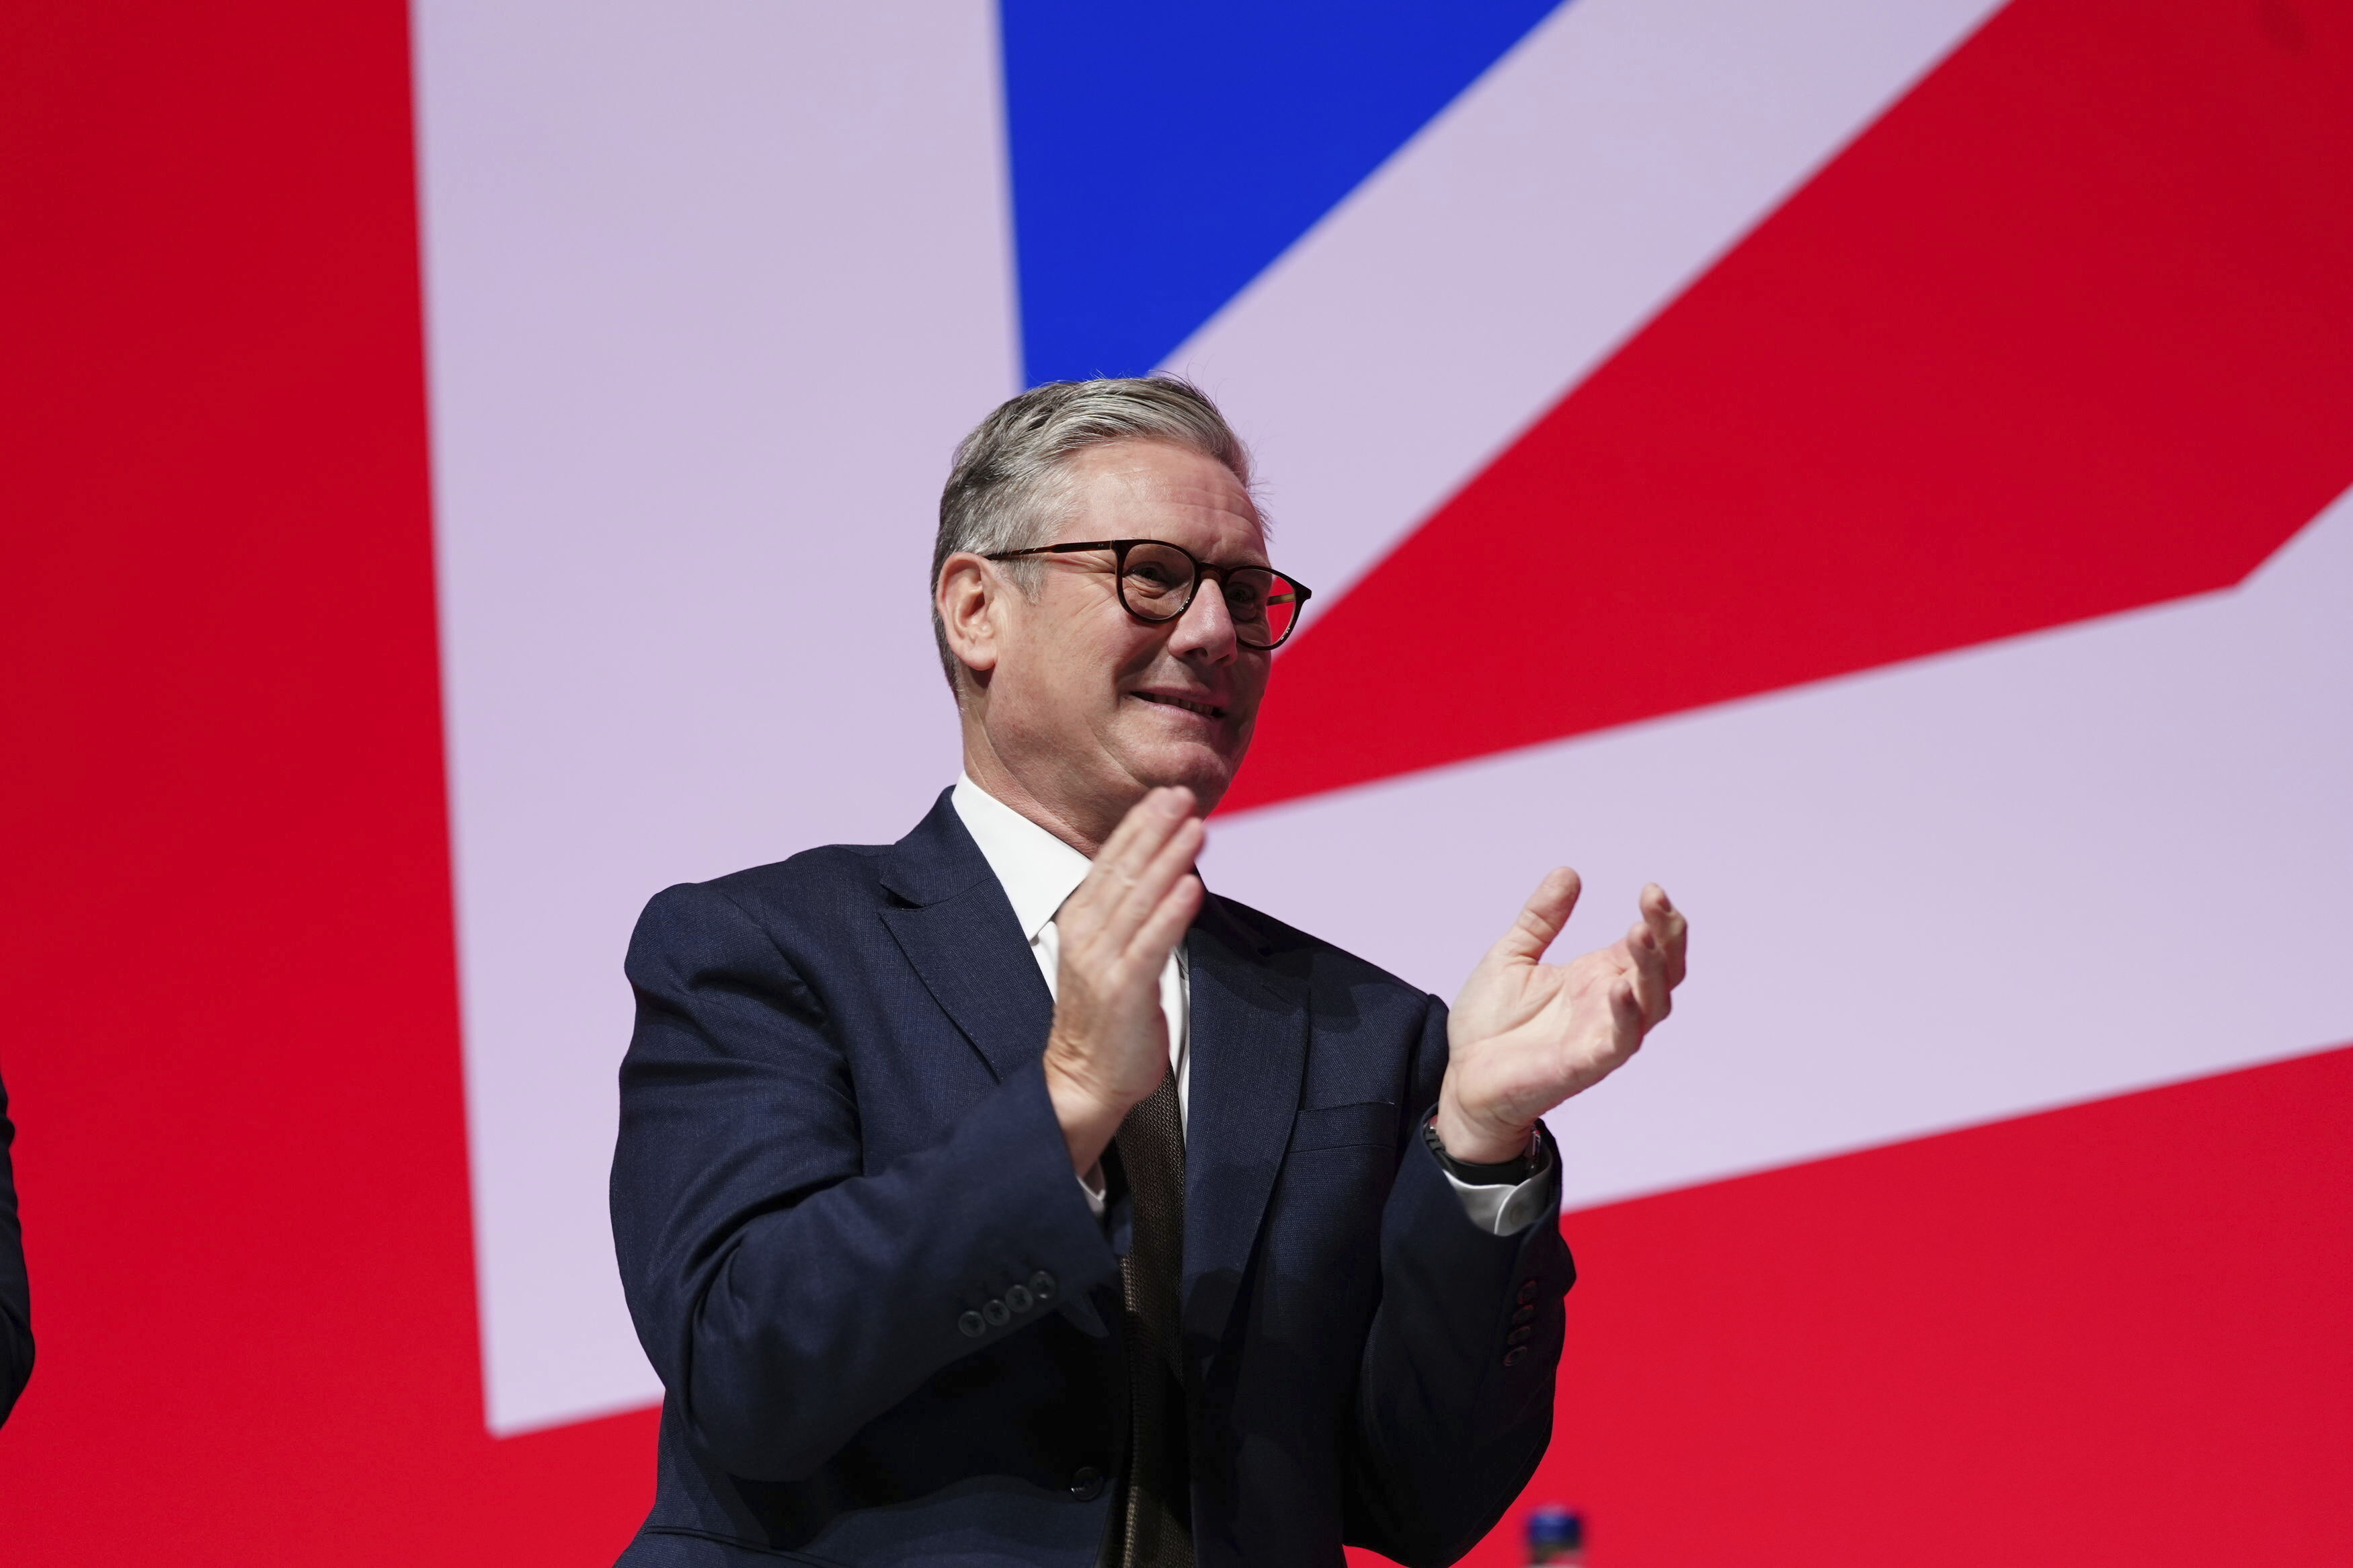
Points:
(1541, 918)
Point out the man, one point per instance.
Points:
(1001, 1196)
(16, 1299)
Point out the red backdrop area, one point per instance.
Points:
(2082, 284)
(2108, 1334)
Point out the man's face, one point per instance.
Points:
(1110, 706)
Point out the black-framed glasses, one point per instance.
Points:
(1157, 581)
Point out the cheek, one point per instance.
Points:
(1077, 649)
(1249, 687)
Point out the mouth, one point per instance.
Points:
(1190, 705)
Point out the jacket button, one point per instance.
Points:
(1528, 1292)
(1519, 1336)
(1525, 1315)
(1019, 1299)
(1515, 1355)
(996, 1312)
(1086, 1483)
(971, 1325)
(1041, 1285)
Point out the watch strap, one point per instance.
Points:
(1506, 1174)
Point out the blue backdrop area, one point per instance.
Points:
(1130, 238)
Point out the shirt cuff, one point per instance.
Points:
(1094, 1186)
(1506, 1209)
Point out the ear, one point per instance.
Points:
(967, 600)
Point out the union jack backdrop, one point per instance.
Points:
(1879, 467)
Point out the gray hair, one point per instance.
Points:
(1009, 489)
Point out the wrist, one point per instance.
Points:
(1478, 1139)
(1088, 1117)
(1493, 1173)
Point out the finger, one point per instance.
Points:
(1625, 1013)
(1140, 834)
(1673, 932)
(1170, 919)
(1648, 958)
(1541, 918)
(1105, 873)
(1138, 899)
(1660, 926)
(1132, 845)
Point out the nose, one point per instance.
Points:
(1205, 630)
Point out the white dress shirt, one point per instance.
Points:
(1040, 872)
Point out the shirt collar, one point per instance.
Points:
(1038, 870)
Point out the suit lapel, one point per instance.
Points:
(1249, 1039)
(960, 935)
(1249, 1056)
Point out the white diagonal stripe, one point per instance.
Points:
(2036, 871)
(1502, 255)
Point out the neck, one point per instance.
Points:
(1033, 791)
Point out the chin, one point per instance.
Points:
(1205, 770)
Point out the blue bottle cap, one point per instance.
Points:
(1553, 1525)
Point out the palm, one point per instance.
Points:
(1527, 1035)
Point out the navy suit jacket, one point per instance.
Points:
(886, 1319)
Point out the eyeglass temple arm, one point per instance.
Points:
(1300, 592)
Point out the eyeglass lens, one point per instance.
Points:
(1157, 579)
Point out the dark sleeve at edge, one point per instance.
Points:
(1450, 1422)
(15, 1294)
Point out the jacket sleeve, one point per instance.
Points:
(1454, 1399)
(787, 1296)
(15, 1297)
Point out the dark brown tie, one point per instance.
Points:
(1155, 1523)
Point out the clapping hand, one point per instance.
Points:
(1109, 1045)
(1527, 1035)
